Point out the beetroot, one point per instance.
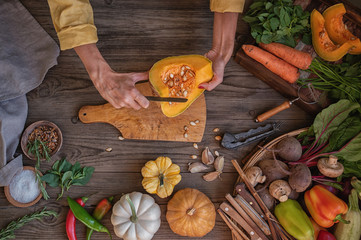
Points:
(289, 149)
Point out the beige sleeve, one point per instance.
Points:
(73, 22)
(227, 6)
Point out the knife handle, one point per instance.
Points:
(264, 116)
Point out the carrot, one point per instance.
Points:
(273, 63)
(293, 56)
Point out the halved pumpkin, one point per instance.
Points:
(336, 28)
(180, 76)
(321, 42)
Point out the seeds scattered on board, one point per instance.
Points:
(185, 135)
(216, 153)
(109, 149)
(192, 123)
(195, 145)
(216, 130)
(121, 138)
(218, 138)
(194, 156)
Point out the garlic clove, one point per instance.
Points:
(197, 167)
(211, 176)
(219, 164)
(207, 157)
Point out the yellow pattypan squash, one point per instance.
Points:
(160, 176)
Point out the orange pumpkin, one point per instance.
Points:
(336, 28)
(191, 213)
(321, 42)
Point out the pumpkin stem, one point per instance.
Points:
(134, 217)
(161, 179)
(191, 211)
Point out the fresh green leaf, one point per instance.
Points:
(76, 167)
(268, 5)
(347, 130)
(351, 151)
(51, 179)
(351, 169)
(66, 176)
(274, 23)
(256, 5)
(249, 19)
(330, 118)
(55, 166)
(87, 173)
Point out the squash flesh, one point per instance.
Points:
(336, 28)
(321, 42)
(180, 76)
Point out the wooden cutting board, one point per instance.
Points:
(150, 123)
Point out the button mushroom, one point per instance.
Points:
(280, 189)
(254, 175)
(329, 167)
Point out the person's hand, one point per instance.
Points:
(117, 88)
(218, 65)
(224, 30)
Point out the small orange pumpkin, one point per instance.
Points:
(191, 213)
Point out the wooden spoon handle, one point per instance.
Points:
(274, 111)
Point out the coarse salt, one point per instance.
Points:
(24, 187)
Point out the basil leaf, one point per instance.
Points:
(75, 168)
(51, 179)
(55, 166)
(66, 176)
(87, 173)
(274, 23)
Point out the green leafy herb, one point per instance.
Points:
(39, 149)
(8, 232)
(64, 175)
(340, 81)
(278, 21)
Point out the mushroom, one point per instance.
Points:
(254, 175)
(280, 189)
(329, 167)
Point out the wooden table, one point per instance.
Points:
(133, 34)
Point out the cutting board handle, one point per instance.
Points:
(93, 114)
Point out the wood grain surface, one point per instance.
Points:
(133, 35)
(150, 123)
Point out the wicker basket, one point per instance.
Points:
(264, 154)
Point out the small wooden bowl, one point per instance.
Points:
(19, 204)
(29, 129)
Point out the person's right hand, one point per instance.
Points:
(117, 88)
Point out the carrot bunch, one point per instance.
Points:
(280, 59)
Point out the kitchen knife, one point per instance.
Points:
(166, 99)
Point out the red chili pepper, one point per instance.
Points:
(70, 220)
(324, 235)
(100, 210)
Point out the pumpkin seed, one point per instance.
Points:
(196, 121)
(195, 145)
(211, 176)
(186, 135)
(197, 167)
(182, 73)
(185, 128)
(185, 93)
(194, 156)
(109, 149)
(218, 138)
(170, 83)
(171, 75)
(207, 156)
(188, 67)
(185, 78)
(121, 138)
(216, 153)
(216, 130)
(192, 123)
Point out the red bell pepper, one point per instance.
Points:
(324, 235)
(324, 207)
(70, 220)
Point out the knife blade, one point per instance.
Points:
(166, 99)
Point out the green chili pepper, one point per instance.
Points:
(83, 216)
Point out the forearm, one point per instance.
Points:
(92, 60)
(224, 31)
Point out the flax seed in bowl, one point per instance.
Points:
(46, 132)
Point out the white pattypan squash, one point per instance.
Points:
(136, 216)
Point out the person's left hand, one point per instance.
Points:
(218, 65)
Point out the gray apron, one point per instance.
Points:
(27, 52)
